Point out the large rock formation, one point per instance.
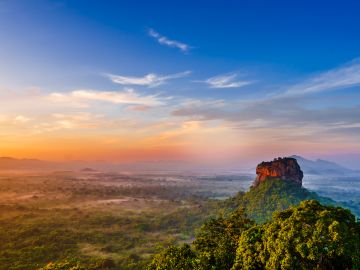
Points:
(280, 168)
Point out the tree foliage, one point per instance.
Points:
(217, 239)
(174, 258)
(307, 236)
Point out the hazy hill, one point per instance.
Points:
(8, 163)
(322, 167)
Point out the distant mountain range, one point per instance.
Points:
(9, 163)
(322, 167)
(309, 167)
(15, 164)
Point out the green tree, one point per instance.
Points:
(174, 258)
(217, 240)
(249, 250)
(309, 236)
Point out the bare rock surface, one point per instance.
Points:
(280, 168)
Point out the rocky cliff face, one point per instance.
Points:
(280, 168)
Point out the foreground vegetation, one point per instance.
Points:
(308, 236)
(277, 225)
(68, 221)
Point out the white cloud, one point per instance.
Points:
(168, 42)
(21, 119)
(342, 77)
(226, 81)
(150, 80)
(64, 121)
(65, 99)
(128, 96)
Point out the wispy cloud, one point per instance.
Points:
(150, 80)
(225, 81)
(292, 109)
(62, 121)
(341, 77)
(21, 119)
(128, 96)
(284, 116)
(168, 42)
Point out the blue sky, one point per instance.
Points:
(288, 69)
(67, 37)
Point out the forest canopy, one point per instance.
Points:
(307, 236)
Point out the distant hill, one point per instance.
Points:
(15, 164)
(9, 163)
(322, 167)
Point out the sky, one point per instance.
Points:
(221, 83)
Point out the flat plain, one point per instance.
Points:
(109, 219)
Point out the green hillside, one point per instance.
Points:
(269, 196)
